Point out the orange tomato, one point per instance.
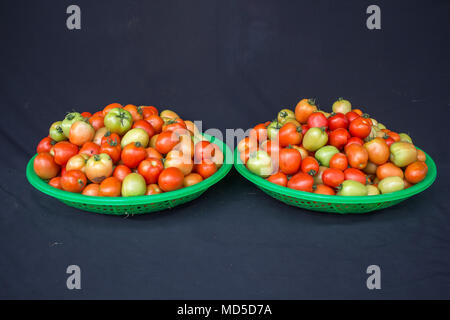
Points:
(153, 189)
(45, 166)
(324, 189)
(304, 109)
(136, 113)
(73, 181)
(156, 121)
(357, 156)
(416, 172)
(153, 153)
(110, 187)
(378, 151)
(81, 132)
(55, 182)
(111, 106)
(96, 122)
(91, 190)
(121, 171)
(191, 179)
(389, 170)
(421, 156)
(339, 161)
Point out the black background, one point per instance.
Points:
(232, 64)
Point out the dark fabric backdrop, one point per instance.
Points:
(232, 64)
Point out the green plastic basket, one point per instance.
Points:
(338, 204)
(134, 205)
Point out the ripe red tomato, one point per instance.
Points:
(360, 127)
(166, 141)
(86, 114)
(339, 138)
(110, 138)
(45, 166)
(355, 174)
(260, 130)
(63, 151)
(112, 149)
(301, 181)
(175, 125)
(333, 177)
(206, 168)
(203, 150)
(317, 120)
(171, 179)
(290, 160)
(90, 148)
(389, 141)
(310, 166)
(156, 121)
(45, 145)
(323, 189)
(271, 147)
(55, 182)
(133, 154)
(278, 178)
(339, 120)
(339, 161)
(145, 125)
(290, 134)
(150, 169)
(147, 111)
(121, 171)
(136, 113)
(91, 190)
(110, 187)
(97, 122)
(153, 189)
(354, 140)
(351, 115)
(73, 181)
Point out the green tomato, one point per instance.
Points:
(391, 184)
(372, 190)
(285, 114)
(405, 138)
(56, 132)
(352, 188)
(381, 126)
(342, 106)
(135, 135)
(402, 153)
(324, 155)
(133, 185)
(314, 139)
(69, 120)
(118, 121)
(260, 163)
(272, 129)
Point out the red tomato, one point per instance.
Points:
(147, 111)
(171, 179)
(177, 125)
(136, 113)
(389, 141)
(352, 115)
(310, 166)
(301, 181)
(63, 151)
(290, 134)
(153, 189)
(354, 140)
(112, 149)
(360, 128)
(86, 114)
(278, 178)
(323, 189)
(166, 141)
(45, 145)
(55, 182)
(145, 125)
(339, 120)
(338, 138)
(156, 121)
(109, 137)
(150, 169)
(96, 122)
(357, 156)
(45, 166)
(290, 160)
(121, 171)
(317, 120)
(339, 161)
(333, 177)
(73, 181)
(153, 153)
(355, 174)
(91, 190)
(203, 150)
(261, 132)
(133, 154)
(206, 168)
(110, 187)
(90, 148)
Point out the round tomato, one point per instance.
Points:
(339, 138)
(153, 153)
(333, 177)
(260, 131)
(338, 120)
(63, 151)
(45, 145)
(171, 179)
(89, 148)
(110, 187)
(378, 151)
(260, 163)
(285, 115)
(147, 111)
(354, 140)
(166, 141)
(77, 162)
(323, 189)
(360, 127)
(96, 122)
(145, 125)
(156, 122)
(310, 166)
(109, 137)
(112, 149)
(150, 169)
(91, 190)
(278, 178)
(357, 156)
(290, 134)
(118, 121)
(304, 109)
(121, 171)
(290, 160)
(271, 147)
(56, 132)
(416, 172)
(355, 175)
(339, 161)
(351, 116)
(317, 120)
(69, 120)
(203, 150)
(176, 159)
(45, 166)
(341, 106)
(73, 181)
(301, 181)
(133, 185)
(136, 112)
(99, 167)
(133, 154)
(206, 168)
(191, 179)
(81, 132)
(111, 106)
(314, 139)
(135, 135)
(153, 189)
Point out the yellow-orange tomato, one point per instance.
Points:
(136, 113)
(77, 162)
(304, 109)
(191, 179)
(324, 189)
(378, 151)
(81, 132)
(247, 143)
(178, 160)
(389, 170)
(357, 156)
(416, 172)
(421, 156)
(91, 190)
(110, 187)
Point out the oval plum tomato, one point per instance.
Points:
(45, 166)
(290, 160)
(301, 181)
(203, 150)
(304, 109)
(166, 141)
(357, 156)
(310, 166)
(378, 151)
(45, 145)
(133, 154)
(191, 179)
(146, 126)
(355, 175)
(261, 132)
(339, 161)
(338, 120)
(360, 127)
(89, 148)
(133, 185)
(153, 189)
(81, 132)
(96, 122)
(91, 190)
(77, 162)
(354, 140)
(73, 181)
(317, 120)
(110, 187)
(333, 177)
(339, 138)
(177, 125)
(111, 106)
(171, 179)
(63, 151)
(290, 134)
(389, 170)
(421, 156)
(351, 116)
(323, 189)
(278, 178)
(112, 149)
(99, 167)
(150, 169)
(121, 171)
(416, 172)
(147, 111)
(55, 182)
(206, 168)
(136, 112)
(156, 122)
(153, 153)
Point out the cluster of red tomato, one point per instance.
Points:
(125, 151)
(344, 152)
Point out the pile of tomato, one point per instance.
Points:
(345, 152)
(125, 151)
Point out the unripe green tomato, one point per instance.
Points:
(372, 190)
(381, 126)
(272, 129)
(133, 185)
(285, 114)
(352, 188)
(405, 138)
(402, 153)
(324, 155)
(69, 120)
(342, 106)
(391, 184)
(56, 132)
(118, 121)
(135, 135)
(260, 163)
(314, 139)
